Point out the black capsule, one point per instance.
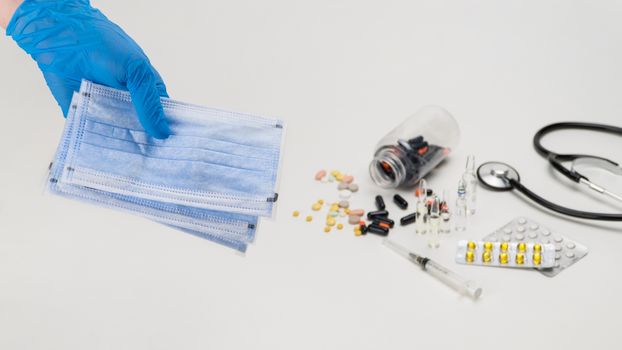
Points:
(429, 192)
(373, 228)
(380, 202)
(363, 228)
(408, 219)
(384, 219)
(400, 201)
(379, 213)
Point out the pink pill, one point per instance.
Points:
(320, 175)
(348, 179)
(357, 212)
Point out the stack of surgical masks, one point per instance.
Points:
(213, 177)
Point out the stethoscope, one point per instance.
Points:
(502, 177)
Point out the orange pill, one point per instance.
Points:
(347, 179)
(320, 175)
(357, 212)
(384, 225)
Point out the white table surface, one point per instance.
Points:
(341, 73)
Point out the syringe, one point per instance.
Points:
(451, 279)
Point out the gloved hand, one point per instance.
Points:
(71, 41)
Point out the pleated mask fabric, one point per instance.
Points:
(213, 177)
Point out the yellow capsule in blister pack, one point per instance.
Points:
(537, 248)
(537, 258)
(521, 247)
(470, 256)
(503, 246)
(487, 256)
(520, 258)
(504, 258)
(488, 245)
(471, 245)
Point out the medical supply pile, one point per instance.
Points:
(214, 177)
(411, 151)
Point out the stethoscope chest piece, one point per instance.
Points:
(496, 176)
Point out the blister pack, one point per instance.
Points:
(567, 251)
(506, 254)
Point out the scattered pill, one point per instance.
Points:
(320, 175)
(358, 212)
(372, 214)
(353, 187)
(382, 224)
(348, 179)
(339, 226)
(380, 203)
(357, 231)
(347, 211)
(334, 214)
(316, 206)
(377, 230)
(327, 229)
(386, 220)
(344, 204)
(296, 213)
(331, 178)
(400, 201)
(343, 186)
(408, 219)
(331, 221)
(309, 218)
(345, 194)
(354, 219)
(320, 201)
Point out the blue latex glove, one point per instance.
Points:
(71, 41)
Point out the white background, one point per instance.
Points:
(341, 73)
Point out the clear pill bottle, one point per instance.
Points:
(415, 147)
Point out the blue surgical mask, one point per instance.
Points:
(212, 177)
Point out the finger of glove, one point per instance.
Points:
(160, 86)
(142, 85)
(62, 89)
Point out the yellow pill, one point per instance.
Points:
(316, 206)
(471, 245)
(331, 221)
(503, 246)
(537, 258)
(339, 226)
(296, 213)
(327, 229)
(309, 218)
(521, 247)
(504, 258)
(347, 211)
(520, 258)
(320, 201)
(339, 177)
(334, 208)
(357, 232)
(487, 256)
(488, 245)
(470, 256)
(537, 248)
(335, 173)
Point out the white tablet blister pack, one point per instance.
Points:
(567, 251)
(506, 254)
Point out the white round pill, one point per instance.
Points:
(558, 239)
(533, 227)
(558, 256)
(546, 232)
(520, 237)
(532, 235)
(345, 194)
(522, 221)
(507, 230)
(570, 245)
(558, 247)
(520, 229)
(570, 255)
